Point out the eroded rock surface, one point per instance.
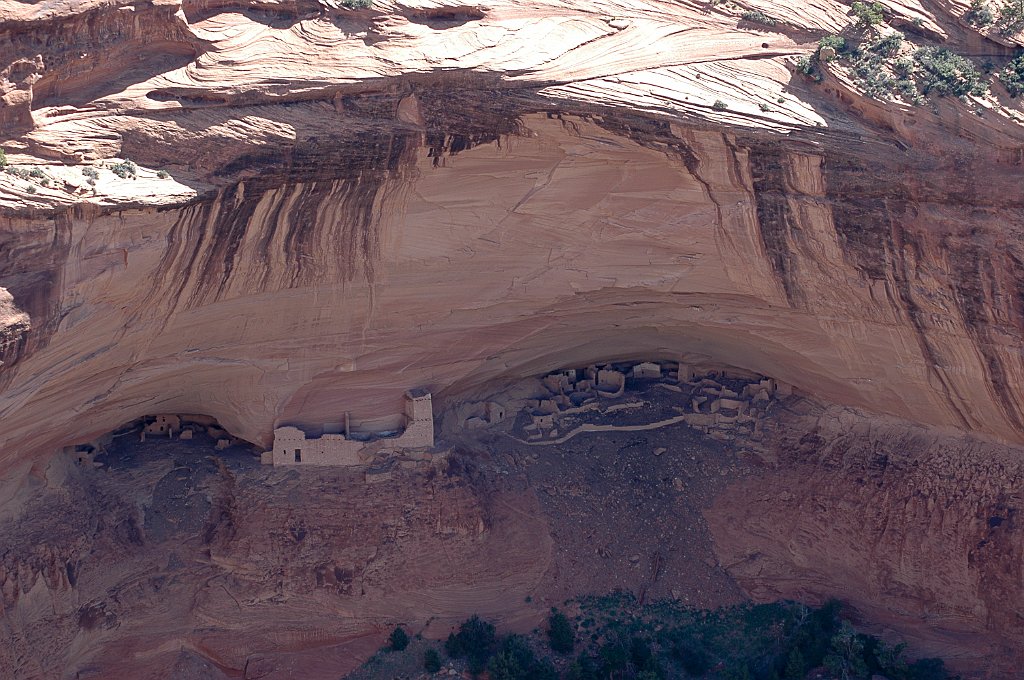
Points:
(328, 206)
(357, 202)
(918, 528)
(169, 554)
(170, 559)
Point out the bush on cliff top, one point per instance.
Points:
(399, 639)
(125, 169)
(979, 14)
(758, 17)
(868, 14)
(1012, 76)
(947, 73)
(1011, 17)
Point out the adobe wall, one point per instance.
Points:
(337, 449)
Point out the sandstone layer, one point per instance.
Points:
(328, 206)
(360, 201)
(170, 560)
(916, 527)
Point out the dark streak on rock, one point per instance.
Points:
(777, 225)
(32, 271)
(868, 214)
(980, 300)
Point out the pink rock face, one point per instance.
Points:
(325, 207)
(297, 299)
(915, 527)
(302, 259)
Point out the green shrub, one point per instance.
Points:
(684, 648)
(641, 655)
(431, 661)
(758, 17)
(162, 174)
(948, 73)
(614, 657)
(90, 172)
(561, 635)
(125, 169)
(36, 173)
(888, 46)
(583, 668)
(3, 158)
(868, 15)
(1012, 76)
(694, 661)
(1011, 17)
(474, 641)
(845, 659)
(836, 42)
(979, 14)
(908, 90)
(809, 67)
(32, 190)
(516, 661)
(814, 631)
(719, 105)
(869, 74)
(796, 667)
(399, 639)
(356, 4)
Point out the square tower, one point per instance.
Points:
(419, 421)
(418, 407)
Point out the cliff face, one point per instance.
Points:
(918, 528)
(332, 206)
(343, 272)
(377, 220)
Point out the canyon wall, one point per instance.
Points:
(496, 215)
(324, 237)
(296, 298)
(915, 527)
(331, 206)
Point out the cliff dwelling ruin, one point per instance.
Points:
(568, 402)
(293, 447)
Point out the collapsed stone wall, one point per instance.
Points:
(553, 409)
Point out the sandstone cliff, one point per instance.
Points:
(357, 201)
(326, 206)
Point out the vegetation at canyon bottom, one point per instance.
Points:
(614, 637)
